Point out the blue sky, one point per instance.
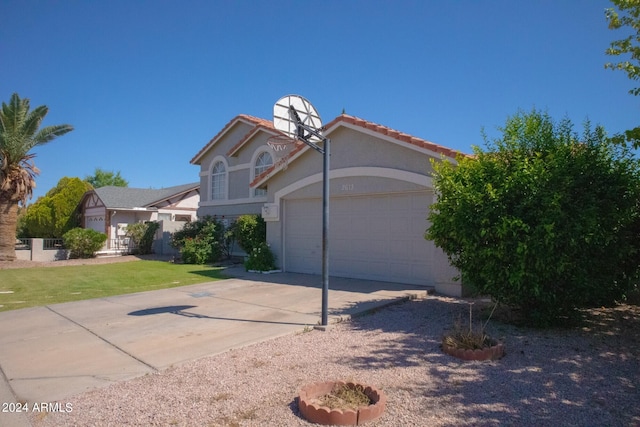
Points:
(146, 84)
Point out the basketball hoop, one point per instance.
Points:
(281, 146)
(295, 117)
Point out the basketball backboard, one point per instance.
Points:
(291, 108)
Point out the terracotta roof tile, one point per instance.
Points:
(267, 125)
(299, 146)
(245, 117)
(383, 130)
(392, 133)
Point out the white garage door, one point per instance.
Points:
(95, 222)
(377, 237)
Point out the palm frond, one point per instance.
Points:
(33, 120)
(51, 132)
(20, 132)
(14, 114)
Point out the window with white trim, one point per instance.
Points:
(219, 181)
(263, 162)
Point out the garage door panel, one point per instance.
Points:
(355, 205)
(377, 237)
(339, 225)
(379, 225)
(359, 227)
(400, 226)
(400, 249)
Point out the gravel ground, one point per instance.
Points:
(584, 376)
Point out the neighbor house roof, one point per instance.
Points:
(131, 198)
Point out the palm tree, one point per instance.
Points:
(19, 133)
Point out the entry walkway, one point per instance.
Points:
(48, 354)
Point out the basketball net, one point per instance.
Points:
(281, 145)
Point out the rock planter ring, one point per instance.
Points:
(318, 414)
(493, 352)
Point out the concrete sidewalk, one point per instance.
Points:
(48, 354)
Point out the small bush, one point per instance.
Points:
(261, 258)
(250, 231)
(83, 242)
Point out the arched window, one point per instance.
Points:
(219, 181)
(263, 162)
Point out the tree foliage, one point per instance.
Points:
(626, 16)
(103, 178)
(544, 219)
(56, 212)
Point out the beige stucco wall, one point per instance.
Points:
(240, 198)
(362, 162)
(350, 149)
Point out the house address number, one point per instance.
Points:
(347, 187)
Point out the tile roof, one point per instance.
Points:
(400, 136)
(129, 198)
(256, 121)
(365, 124)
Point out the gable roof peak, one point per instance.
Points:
(246, 118)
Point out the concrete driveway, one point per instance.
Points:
(48, 354)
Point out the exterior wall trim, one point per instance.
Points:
(214, 161)
(391, 173)
(234, 201)
(252, 166)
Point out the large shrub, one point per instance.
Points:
(200, 241)
(142, 234)
(83, 242)
(250, 231)
(543, 219)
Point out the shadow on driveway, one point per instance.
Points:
(180, 311)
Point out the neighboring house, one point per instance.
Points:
(110, 209)
(380, 188)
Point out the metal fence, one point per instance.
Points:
(52, 244)
(124, 245)
(23, 244)
(47, 244)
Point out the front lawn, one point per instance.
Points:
(29, 287)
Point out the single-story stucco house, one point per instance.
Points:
(380, 188)
(110, 209)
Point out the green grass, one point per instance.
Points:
(30, 287)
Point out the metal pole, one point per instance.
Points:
(325, 230)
